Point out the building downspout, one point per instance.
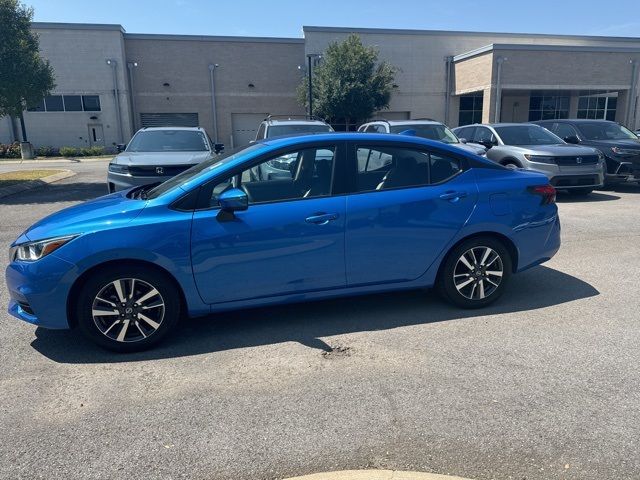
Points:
(132, 97)
(214, 114)
(114, 65)
(447, 88)
(498, 103)
(631, 114)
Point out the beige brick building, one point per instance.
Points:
(110, 83)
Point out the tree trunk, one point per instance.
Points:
(24, 130)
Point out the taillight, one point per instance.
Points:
(547, 192)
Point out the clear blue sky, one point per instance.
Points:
(285, 18)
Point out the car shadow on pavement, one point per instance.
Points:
(563, 197)
(306, 323)
(57, 192)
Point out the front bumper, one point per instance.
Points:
(568, 182)
(38, 291)
(119, 181)
(569, 177)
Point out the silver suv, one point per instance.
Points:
(285, 125)
(576, 169)
(425, 128)
(156, 154)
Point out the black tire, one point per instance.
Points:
(511, 164)
(580, 192)
(152, 322)
(453, 265)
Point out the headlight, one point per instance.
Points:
(32, 251)
(624, 151)
(117, 168)
(540, 158)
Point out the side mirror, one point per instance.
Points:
(218, 147)
(120, 147)
(487, 144)
(233, 200)
(572, 139)
(463, 140)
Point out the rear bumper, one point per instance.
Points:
(538, 243)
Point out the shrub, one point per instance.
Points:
(69, 151)
(96, 151)
(10, 150)
(46, 152)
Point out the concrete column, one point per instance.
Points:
(488, 105)
(621, 108)
(573, 105)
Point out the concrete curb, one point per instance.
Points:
(375, 475)
(57, 160)
(23, 186)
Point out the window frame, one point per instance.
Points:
(205, 190)
(352, 164)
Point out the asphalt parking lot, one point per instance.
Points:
(545, 384)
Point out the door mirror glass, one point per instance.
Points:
(572, 139)
(233, 200)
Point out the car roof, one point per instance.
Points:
(576, 120)
(406, 122)
(295, 122)
(152, 129)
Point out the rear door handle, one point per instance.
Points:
(453, 196)
(321, 218)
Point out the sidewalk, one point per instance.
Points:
(375, 475)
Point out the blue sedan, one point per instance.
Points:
(354, 214)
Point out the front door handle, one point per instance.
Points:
(321, 218)
(453, 196)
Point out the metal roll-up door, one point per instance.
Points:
(169, 120)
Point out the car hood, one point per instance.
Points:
(470, 147)
(108, 211)
(625, 143)
(553, 150)
(161, 158)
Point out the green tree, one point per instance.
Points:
(350, 84)
(25, 77)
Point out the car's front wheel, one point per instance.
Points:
(127, 309)
(475, 273)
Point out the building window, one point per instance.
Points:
(91, 103)
(548, 106)
(597, 105)
(67, 103)
(470, 108)
(72, 103)
(54, 103)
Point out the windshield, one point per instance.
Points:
(168, 141)
(279, 130)
(201, 168)
(527, 135)
(431, 132)
(605, 131)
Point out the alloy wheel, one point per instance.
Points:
(128, 310)
(478, 273)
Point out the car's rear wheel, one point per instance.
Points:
(475, 273)
(580, 192)
(511, 165)
(127, 309)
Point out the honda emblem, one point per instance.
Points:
(579, 160)
(160, 170)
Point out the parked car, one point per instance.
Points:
(285, 125)
(156, 154)
(425, 128)
(620, 146)
(124, 267)
(574, 168)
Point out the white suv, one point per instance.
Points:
(282, 125)
(425, 128)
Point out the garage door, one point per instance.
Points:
(245, 126)
(392, 115)
(169, 120)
